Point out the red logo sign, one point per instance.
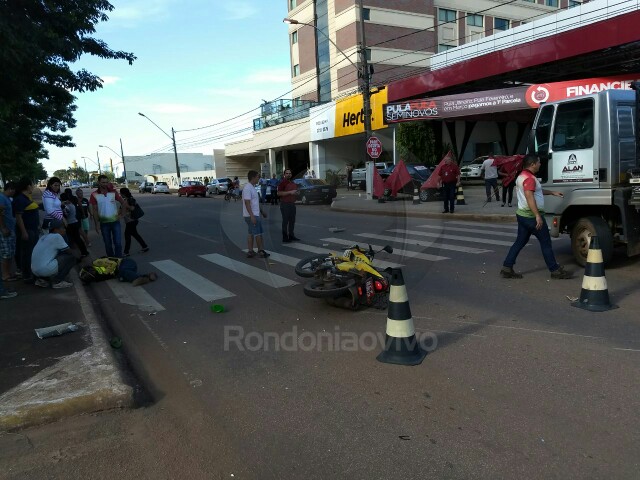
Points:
(374, 147)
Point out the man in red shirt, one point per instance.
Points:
(288, 193)
(450, 175)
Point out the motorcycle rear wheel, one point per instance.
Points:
(319, 289)
(305, 269)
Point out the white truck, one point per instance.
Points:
(589, 151)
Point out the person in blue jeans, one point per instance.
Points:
(531, 221)
(106, 204)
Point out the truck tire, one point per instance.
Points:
(581, 235)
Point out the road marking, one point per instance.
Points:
(205, 289)
(447, 331)
(279, 257)
(396, 251)
(513, 226)
(200, 237)
(312, 249)
(531, 330)
(447, 228)
(627, 349)
(255, 273)
(452, 237)
(427, 244)
(137, 296)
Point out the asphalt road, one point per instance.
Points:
(518, 384)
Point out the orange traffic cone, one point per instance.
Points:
(401, 346)
(594, 295)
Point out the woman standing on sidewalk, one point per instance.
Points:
(51, 202)
(131, 224)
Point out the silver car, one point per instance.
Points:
(160, 187)
(218, 186)
(472, 170)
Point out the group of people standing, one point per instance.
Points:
(252, 212)
(45, 260)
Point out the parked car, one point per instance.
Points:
(218, 186)
(192, 187)
(160, 187)
(315, 190)
(471, 171)
(419, 174)
(145, 187)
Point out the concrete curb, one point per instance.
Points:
(85, 382)
(475, 217)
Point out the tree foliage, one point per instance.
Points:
(39, 39)
(416, 143)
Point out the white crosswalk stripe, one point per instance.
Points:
(445, 236)
(255, 273)
(279, 257)
(396, 251)
(312, 249)
(137, 296)
(492, 226)
(426, 243)
(202, 287)
(486, 231)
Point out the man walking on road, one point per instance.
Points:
(530, 197)
(106, 215)
(490, 178)
(251, 211)
(288, 192)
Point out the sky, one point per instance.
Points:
(199, 63)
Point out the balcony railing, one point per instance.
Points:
(282, 111)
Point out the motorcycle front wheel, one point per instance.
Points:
(306, 267)
(319, 289)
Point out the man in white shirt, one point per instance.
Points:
(251, 211)
(490, 178)
(51, 259)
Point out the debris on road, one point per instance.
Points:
(336, 229)
(56, 330)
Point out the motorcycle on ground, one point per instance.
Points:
(347, 280)
(234, 193)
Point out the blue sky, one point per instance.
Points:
(200, 62)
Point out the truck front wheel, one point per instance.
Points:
(583, 230)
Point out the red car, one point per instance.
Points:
(194, 188)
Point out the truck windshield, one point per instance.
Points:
(573, 128)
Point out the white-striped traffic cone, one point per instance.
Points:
(401, 346)
(416, 196)
(460, 196)
(594, 295)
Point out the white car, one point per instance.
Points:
(160, 187)
(472, 170)
(218, 186)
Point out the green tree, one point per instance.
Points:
(39, 39)
(416, 143)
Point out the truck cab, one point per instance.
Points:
(587, 147)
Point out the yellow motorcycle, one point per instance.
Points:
(347, 280)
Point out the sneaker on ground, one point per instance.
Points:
(8, 295)
(41, 283)
(508, 272)
(561, 274)
(262, 254)
(62, 284)
(144, 250)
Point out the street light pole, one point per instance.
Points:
(121, 156)
(173, 140)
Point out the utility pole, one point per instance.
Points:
(98, 157)
(366, 88)
(124, 166)
(175, 152)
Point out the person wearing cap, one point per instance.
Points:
(51, 260)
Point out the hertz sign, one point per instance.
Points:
(349, 118)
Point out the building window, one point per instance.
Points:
(296, 70)
(574, 3)
(551, 3)
(293, 4)
(366, 14)
(474, 20)
(445, 15)
(501, 24)
(443, 48)
(294, 38)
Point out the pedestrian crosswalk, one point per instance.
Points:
(205, 275)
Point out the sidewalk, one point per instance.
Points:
(475, 208)
(45, 380)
